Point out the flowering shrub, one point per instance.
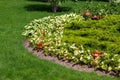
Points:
(95, 16)
(47, 34)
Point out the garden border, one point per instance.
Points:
(67, 64)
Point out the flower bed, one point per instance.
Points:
(47, 34)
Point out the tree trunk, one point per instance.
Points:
(110, 1)
(54, 7)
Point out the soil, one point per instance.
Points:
(67, 64)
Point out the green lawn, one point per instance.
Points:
(16, 63)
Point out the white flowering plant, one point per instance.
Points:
(47, 34)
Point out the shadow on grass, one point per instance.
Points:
(44, 7)
(39, 0)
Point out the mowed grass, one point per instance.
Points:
(16, 63)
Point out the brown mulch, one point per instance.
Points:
(67, 64)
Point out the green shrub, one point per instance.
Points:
(95, 33)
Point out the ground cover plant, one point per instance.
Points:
(47, 34)
(16, 63)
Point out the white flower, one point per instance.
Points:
(81, 51)
(119, 60)
(73, 57)
(112, 59)
(118, 67)
(116, 55)
(102, 62)
(81, 58)
(73, 46)
(88, 51)
(49, 34)
(49, 49)
(105, 53)
(76, 52)
(88, 57)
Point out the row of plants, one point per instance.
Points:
(99, 8)
(47, 34)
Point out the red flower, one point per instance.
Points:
(97, 54)
(39, 45)
(96, 17)
(87, 13)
